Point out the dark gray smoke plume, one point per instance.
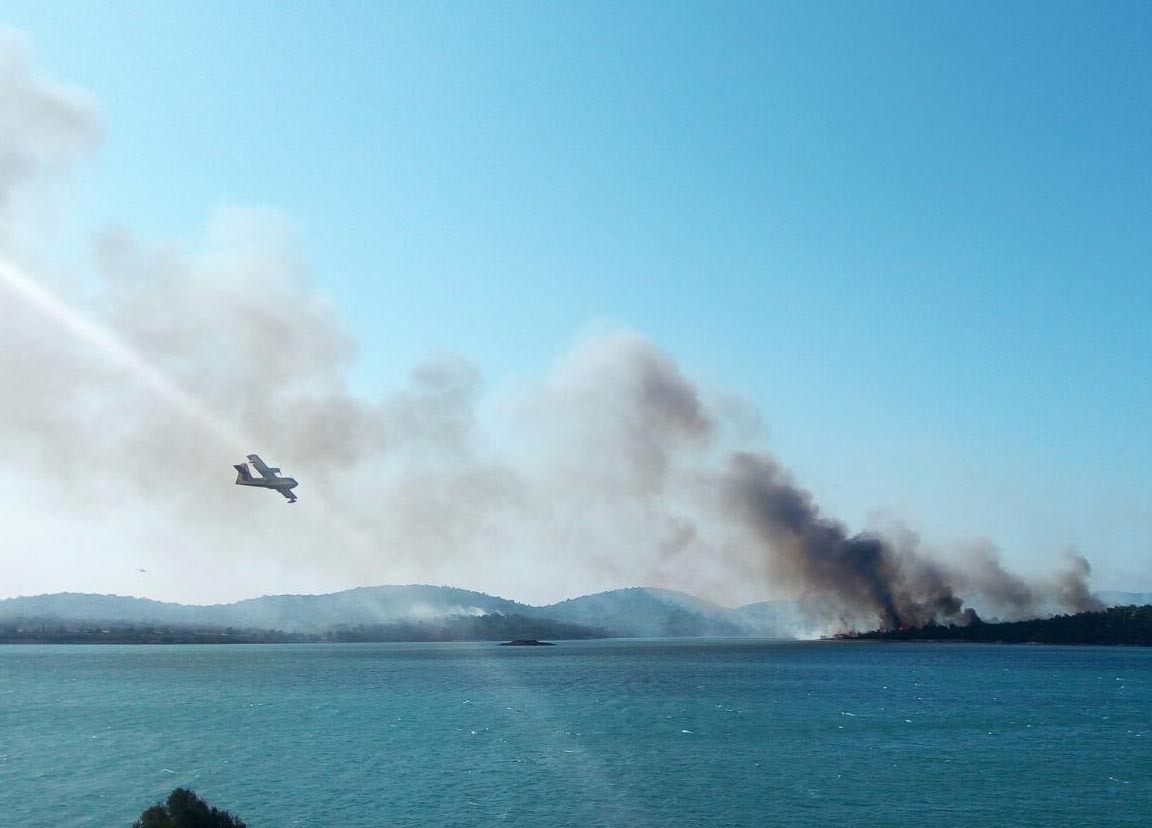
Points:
(868, 576)
(1073, 588)
(983, 574)
(859, 574)
(127, 402)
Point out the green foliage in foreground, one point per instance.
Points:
(183, 809)
(1116, 625)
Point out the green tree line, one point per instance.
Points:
(1131, 625)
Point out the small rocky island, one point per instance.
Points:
(527, 642)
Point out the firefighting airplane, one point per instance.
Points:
(268, 477)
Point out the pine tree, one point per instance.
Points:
(184, 809)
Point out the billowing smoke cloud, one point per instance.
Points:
(44, 128)
(45, 125)
(1073, 591)
(816, 555)
(129, 395)
(871, 577)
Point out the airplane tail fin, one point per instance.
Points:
(242, 474)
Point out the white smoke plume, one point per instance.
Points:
(45, 128)
(133, 383)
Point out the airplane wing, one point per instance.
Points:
(288, 494)
(261, 466)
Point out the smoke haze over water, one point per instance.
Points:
(615, 469)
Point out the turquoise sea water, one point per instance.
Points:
(657, 733)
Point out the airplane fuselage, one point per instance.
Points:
(271, 483)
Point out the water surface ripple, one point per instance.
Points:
(649, 733)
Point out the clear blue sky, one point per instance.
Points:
(918, 234)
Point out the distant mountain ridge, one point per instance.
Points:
(291, 613)
(1115, 598)
(636, 612)
(652, 613)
